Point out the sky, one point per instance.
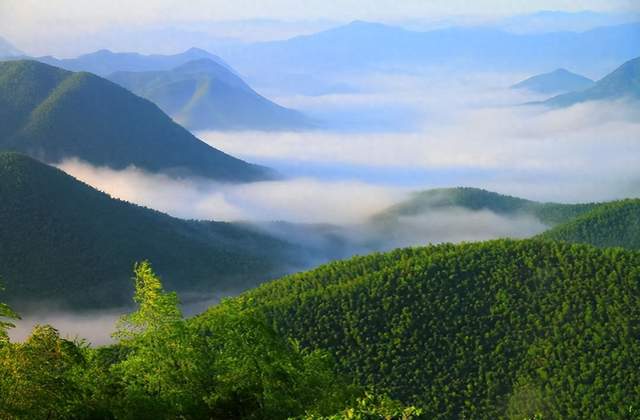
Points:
(41, 27)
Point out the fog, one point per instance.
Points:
(397, 134)
(95, 327)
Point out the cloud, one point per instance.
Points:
(95, 327)
(586, 152)
(456, 225)
(301, 200)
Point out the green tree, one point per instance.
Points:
(38, 378)
(6, 313)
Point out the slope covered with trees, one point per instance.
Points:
(204, 95)
(478, 199)
(610, 224)
(52, 114)
(231, 365)
(501, 329)
(63, 241)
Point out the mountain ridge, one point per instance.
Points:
(559, 80)
(53, 114)
(65, 243)
(621, 83)
(203, 95)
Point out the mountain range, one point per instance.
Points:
(72, 246)
(53, 114)
(203, 94)
(106, 62)
(557, 81)
(622, 83)
(363, 45)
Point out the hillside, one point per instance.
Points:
(477, 199)
(611, 224)
(557, 81)
(623, 82)
(53, 114)
(105, 62)
(500, 329)
(204, 95)
(65, 243)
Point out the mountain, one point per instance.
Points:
(8, 50)
(609, 225)
(557, 81)
(363, 45)
(105, 62)
(545, 21)
(67, 244)
(623, 82)
(500, 329)
(476, 199)
(53, 114)
(203, 94)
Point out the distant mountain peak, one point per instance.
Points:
(557, 81)
(623, 82)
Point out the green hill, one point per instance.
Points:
(52, 114)
(611, 224)
(479, 199)
(557, 81)
(63, 242)
(203, 95)
(500, 329)
(623, 82)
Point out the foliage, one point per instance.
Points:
(38, 377)
(231, 365)
(474, 330)
(372, 407)
(7, 313)
(611, 224)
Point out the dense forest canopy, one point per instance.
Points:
(501, 329)
(229, 365)
(610, 224)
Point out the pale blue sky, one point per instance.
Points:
(39, 26)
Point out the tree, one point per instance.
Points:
(7, 313)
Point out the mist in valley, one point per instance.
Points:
(383, 134)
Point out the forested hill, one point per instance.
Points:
(66, 243)
(479, 199)
(205, 95)
(610, 224)
(52, 114)
(500, 329)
